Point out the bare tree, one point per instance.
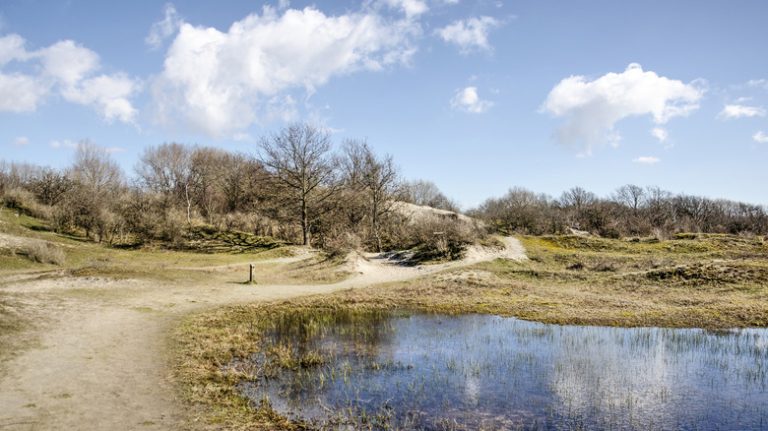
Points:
(376, 176)
(97, 183)
(207, 171)
(577, 198)
(299, 158)
(95, 170)
(631, 196)
(576, 202)
(167, 169)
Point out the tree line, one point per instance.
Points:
(297, 188)
(300, 188)
(630, 211)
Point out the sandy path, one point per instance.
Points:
(102, 360)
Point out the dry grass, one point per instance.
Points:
(42, 252)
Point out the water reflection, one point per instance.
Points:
(487, 372)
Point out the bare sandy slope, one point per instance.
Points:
(102, 360)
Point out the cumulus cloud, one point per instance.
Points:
(220, 83)
(21, 93)
(108, 93)
(64, 68)
(647, 160)
(760, 137)
(467, 100)
(592, 108)
(470, 34)
(21, 141)
(165, 28)
(740, 111)
(67, 62)
(660, 134)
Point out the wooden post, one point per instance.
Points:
(250, 275)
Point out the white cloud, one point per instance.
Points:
(283, 4)
(660, 133)
(647, 160)
(63, 143)
(110, 93)
(592, 108)
(67, 62)
(740, 111)
(166, 27)
(21, 93)
(760, 137)
(759, 83)
(411, 8)
(470, 34)
(21, 141)
(468, 100)
(11, 48)
(65, 68)
(221, 82)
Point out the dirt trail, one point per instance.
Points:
(102, 360)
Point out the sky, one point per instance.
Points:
(476, 96)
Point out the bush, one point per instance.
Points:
(26, 203)
(42, 252)
(439, 238)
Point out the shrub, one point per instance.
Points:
(26, 203)
(42, 252)
(439, 238)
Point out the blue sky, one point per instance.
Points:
(477, 96)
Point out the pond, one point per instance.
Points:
(438, 372)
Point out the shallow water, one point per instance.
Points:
(486, 372)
